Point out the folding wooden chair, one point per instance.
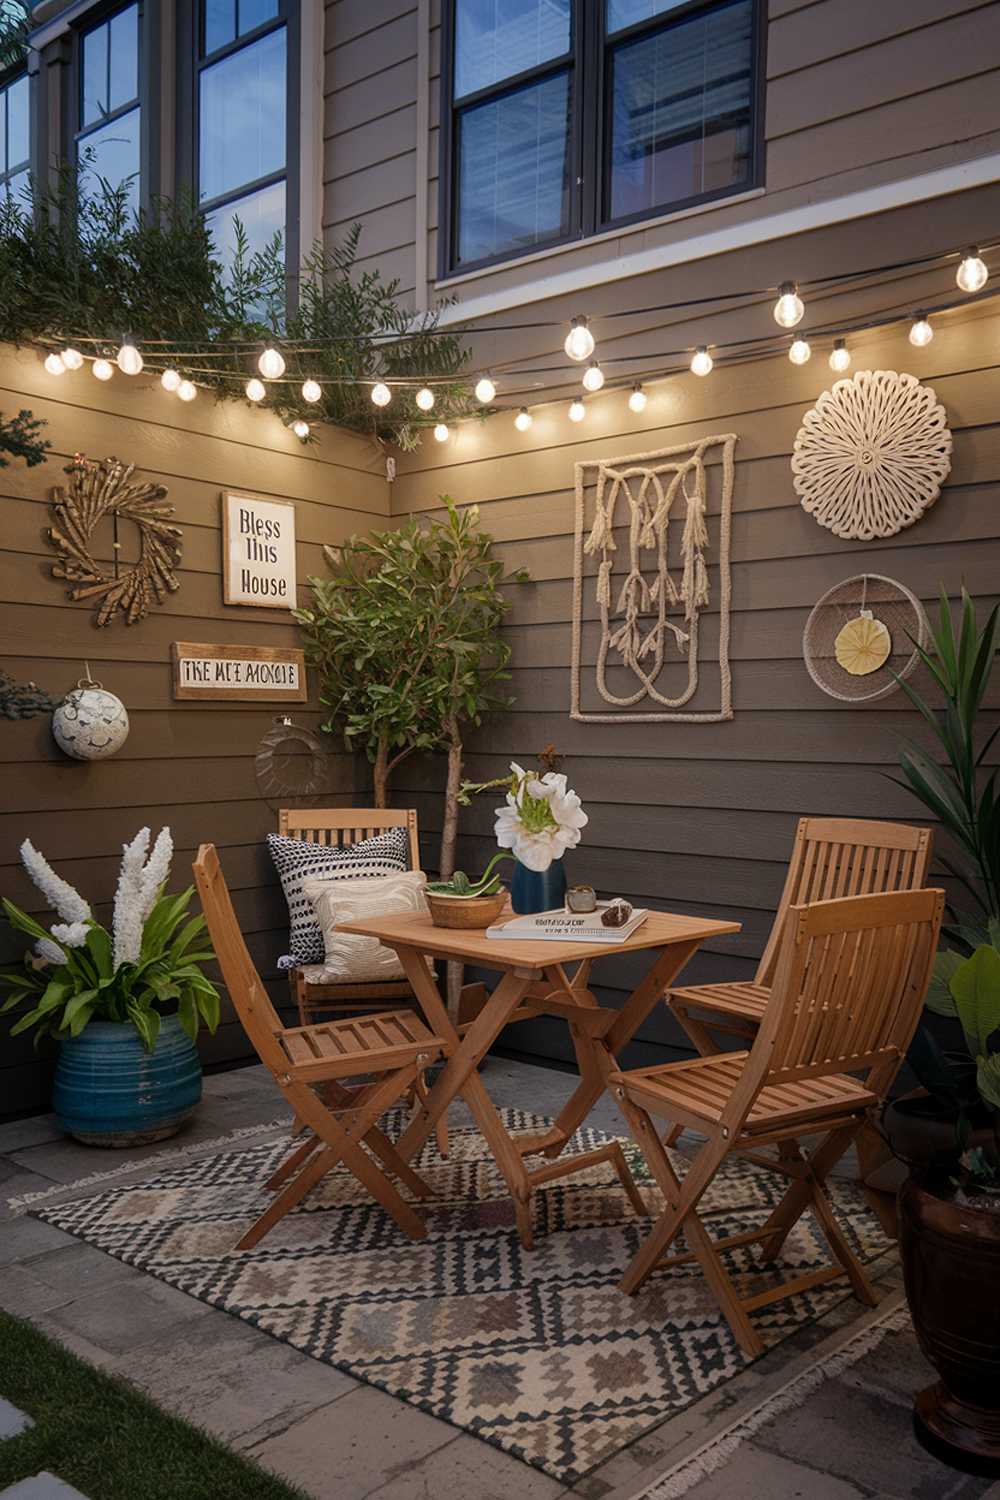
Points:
(312, 1065)
(849, 980)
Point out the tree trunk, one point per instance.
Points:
(449, 837)
(381, 775)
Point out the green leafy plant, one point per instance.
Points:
(150, 963)
(405, 634)
(971, 1083)
(21, 437)
(13, 33)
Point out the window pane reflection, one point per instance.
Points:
(497, 39)
(262, 215)
(243, 117)
(16, 99)
(110, 66)
(111, 152)
(630, 12)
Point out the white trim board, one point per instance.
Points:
(957, 178)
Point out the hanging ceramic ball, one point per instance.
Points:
(90, 723)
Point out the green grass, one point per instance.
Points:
(99, 1434)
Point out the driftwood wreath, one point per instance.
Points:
(99, 489)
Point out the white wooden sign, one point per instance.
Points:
(204, 670)
(258, 551)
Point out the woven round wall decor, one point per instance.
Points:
(880, 602)
(872, 454)
(290, 763)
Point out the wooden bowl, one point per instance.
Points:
(465, 911)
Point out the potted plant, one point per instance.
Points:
(125, 1005)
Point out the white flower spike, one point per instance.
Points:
(61, 896)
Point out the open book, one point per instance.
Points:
(564, 926)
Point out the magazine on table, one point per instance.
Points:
(562, 926)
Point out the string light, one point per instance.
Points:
(579, 343)
(381, 393)
(102, 369)
(55, 364)
(789, 308)
(72, 359)
(840, 358)
(593, 377)
(171, 379)
(523, 420)
(921, 331)
(800, 352)
(702, 362)
(300, 428)
(271, 363)
(425, 398)
(129, 358)
(972, 274)
(255, 389)
(577, 410)
(637, 400)
(187, 390)
(312, 391)
(485, 390)
(441, 432)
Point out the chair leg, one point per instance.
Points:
(800, 1192)
(291, 1164)
(441, 1128)
(621, 1166)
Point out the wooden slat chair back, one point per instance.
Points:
(849, 981)
(313, 1066)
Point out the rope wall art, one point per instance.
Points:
(646, 520)
(872, 454)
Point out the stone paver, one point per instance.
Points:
(83, 1267)
(12, 1421)
(129, 1314)
(26, 1237)
(467, 1469)
(766, 1474)
(43, 1486)
(24, 1295)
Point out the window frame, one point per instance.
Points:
(96, 16)
(10, 76)
(591, 53)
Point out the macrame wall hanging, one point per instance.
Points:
(861, 638)
(872, 454)
(657, 541)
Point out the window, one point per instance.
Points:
(569, 117)
(14, 137)
(242, 114)
(107, 141)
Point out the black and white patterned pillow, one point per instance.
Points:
(297, 861)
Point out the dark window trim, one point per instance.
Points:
(10, 75)
(76, 134)
(590, 69)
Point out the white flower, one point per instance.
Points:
(156, 871)
(71, 935)
(541, 820)
(128, 919)
(49, 951)
(60, 895)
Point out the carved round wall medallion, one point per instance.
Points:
(872, 454)
(90, 723)
(98, 490)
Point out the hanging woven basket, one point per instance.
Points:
(291, 764)
(845, 638)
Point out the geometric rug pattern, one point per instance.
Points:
(534, 1351)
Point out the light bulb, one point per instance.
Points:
(702, 362)
(271, 364)
(485, 390)
(789, 307)
(381, 393)
(255, 389)
(300, 428)
(187, 390)
(579, 341)
(799, 352)
(637, 400)
(171, 379)
(425, 398)
(921, 331)
(840, 358)
(72, 359)
(129, 359)
(523, 420)
(441, 432)
(55, 364)
(577, 411)
(103, 369)
(593, 377)
(972, 274)
(312, 390)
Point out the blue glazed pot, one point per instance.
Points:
(537, 890)
(109, 1091)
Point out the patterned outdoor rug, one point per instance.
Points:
(534, 1351)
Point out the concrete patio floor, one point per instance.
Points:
(342, 1440)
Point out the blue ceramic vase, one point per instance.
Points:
(109, 1091)
(537, 890)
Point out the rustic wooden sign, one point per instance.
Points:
(202, 670)
(258, 551)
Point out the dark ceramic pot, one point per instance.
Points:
(538, 890)
(951, 1263)
(109, 1091)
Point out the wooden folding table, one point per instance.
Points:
(534, 981)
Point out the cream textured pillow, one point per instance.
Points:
(354, 959)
